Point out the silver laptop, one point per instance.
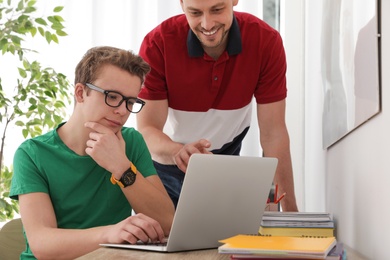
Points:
(222, 196)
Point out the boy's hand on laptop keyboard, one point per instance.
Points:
(135, 228)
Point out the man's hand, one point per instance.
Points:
(182, 157)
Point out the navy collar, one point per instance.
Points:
(233, 47)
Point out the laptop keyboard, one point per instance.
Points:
(150, 243)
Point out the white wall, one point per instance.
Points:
(351, 177)
(358, 173)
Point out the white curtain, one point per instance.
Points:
(119, 23)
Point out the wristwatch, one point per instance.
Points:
(127, 179)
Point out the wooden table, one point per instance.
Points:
(107, 253)
(117, 253)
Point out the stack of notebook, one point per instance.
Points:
(278, 247)
(297, 224)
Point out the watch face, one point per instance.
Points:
(128, 178)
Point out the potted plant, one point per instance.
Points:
(37, 99)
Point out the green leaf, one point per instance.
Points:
(58, 18)
(40, 21)
(20, 5)
(15, 39)
(33, 31)
(37, 75)
(28, 25)
(34, 122)
(2, 203)
(3, 42)
(48, 36)
(48, 93)
(51, 19)
(57, 26)
(23, 18)
(58, 9)
(54, 38)
(57, 118)
(11, 49)
(59, 104)
(26, 64)
(22, 73)
(19, 123)
(29, 10)
(31, 3)
(32, 101)
(25, 133)
(32, 107)
(41, 31)
(4, 49)
(61, 33)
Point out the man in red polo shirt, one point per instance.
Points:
(207, 65)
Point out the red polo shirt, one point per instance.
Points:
(211, 98)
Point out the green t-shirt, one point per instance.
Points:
(80, 190)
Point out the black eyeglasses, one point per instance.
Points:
(115, 99)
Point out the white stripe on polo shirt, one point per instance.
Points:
(217, 126)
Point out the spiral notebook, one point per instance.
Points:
(222, 195)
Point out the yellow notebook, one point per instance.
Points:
(278, 246)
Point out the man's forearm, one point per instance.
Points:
(284, 173)
(285, 180)
(161, 147)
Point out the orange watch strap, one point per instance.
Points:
(115, 181)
